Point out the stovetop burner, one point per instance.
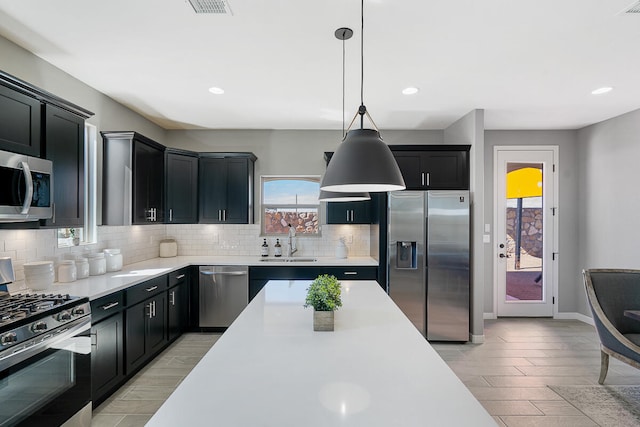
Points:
(17, 307)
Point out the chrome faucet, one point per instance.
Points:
(291, 247)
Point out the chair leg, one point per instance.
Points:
(604, 366)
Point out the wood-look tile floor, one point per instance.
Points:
(508, 374)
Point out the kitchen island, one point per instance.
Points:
(271, 369)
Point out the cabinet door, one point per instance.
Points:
(409, 164)
(148, 183)
(20, 118)
(237, 191)
(447, 170)
(212, 187)
(135, 335)
(349, 212)
(107, 352)
(64, 146)
(177, 310)
(157, 324)
(182, 189)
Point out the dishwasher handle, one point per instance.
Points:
(224, 273)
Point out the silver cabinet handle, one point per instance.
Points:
(422, 178)
(224, 215)
(29, 194)
(351, 215)
(179, 277)
(172, 300)
(150, 314)
(110, 305)
(153, 288)
(154, 309)
(219, 215)
(351, 273)
(428, 179)
(347, 215)
(170, 215)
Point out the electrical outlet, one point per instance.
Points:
(349, 238)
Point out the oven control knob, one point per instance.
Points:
(63, 316)
(39, 327)
(9, 338)
(78, 311)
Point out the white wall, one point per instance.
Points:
(609, 203)
(569, 288)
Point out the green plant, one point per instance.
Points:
(72, 231)
(324, 294)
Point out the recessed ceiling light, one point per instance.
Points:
(216, 90)
(602, 90)
(410, 90)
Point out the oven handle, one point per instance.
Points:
(29, 195)
(16, 354)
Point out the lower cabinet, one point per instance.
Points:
(146, 331)
(177, 303)
(259, 276)
(107, 346)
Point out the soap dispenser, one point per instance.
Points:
(278, 248)
(264, 249)
(341, 249)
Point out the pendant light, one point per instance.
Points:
(362, 162)
(332, 196)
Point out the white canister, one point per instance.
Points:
(82, 267)
(341, 249)
(113, 259)
(97, 264)
(67, 271)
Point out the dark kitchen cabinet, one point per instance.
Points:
(349, 212)
(146, 322)
(181, 183)
(259, 276)
(20, 118)
(107, 346)
(433, 167)
(178, 303)
(148, 181)
(226, 188)
(64, 146)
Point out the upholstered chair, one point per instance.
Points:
(610, 292)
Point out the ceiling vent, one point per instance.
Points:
(633, 8)
(211, 6)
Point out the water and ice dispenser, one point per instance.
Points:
(406, 255)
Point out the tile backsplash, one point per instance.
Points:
(141, 242)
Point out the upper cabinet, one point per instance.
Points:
(433, 167)
(20, 118)
(181, 185)
(349, 212)
(133, 179)
(226, 188)
(64, 146)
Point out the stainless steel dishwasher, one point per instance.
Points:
(224, 293)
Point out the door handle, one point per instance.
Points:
(223, 273)
(170, 215)
(29, 184)
(173, 298)
(180, 277)
(153, 288)
(110, 305)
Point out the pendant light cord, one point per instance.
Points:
(361, 55)
(343, 79)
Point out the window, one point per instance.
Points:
(290, 200)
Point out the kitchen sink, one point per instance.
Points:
(289, 260)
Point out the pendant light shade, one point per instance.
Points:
(331, 196)
(362, 163)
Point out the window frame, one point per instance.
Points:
(263, 206)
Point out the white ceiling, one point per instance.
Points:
(528, 64)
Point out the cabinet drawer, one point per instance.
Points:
(106, 306)
(145, 290)
(178, 276)
(353, 273)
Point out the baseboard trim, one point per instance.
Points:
(476, 339)
(490, 316)
(575, 316)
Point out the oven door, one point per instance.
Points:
(51, 382)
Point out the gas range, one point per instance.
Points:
(29, 319)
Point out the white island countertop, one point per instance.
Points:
(271, 369)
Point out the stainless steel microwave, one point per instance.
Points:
(27, 188)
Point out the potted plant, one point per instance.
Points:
(324, 296)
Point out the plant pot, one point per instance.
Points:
(76, 241)
(322, 320)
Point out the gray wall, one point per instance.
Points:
(569, 285)
(609, 203)
(109, 115)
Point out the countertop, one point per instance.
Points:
(97, 286)
(271, 369)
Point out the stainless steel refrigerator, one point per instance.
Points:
(428, 261)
